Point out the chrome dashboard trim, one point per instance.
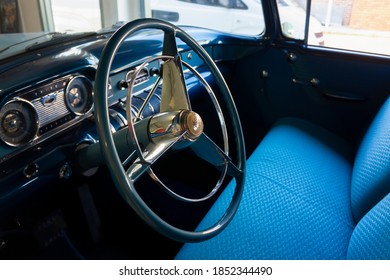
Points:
(45, 98)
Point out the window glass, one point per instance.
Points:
(292, 15)
(238, 4)
(222, 3)
(292, 19)
(76, 15)
(359, 25)
(244, 17)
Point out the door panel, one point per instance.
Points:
(338, 90)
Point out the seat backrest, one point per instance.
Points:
(370, 188)
(371, 237)
(371, 171)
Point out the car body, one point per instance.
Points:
(117, 143)
(238, 17)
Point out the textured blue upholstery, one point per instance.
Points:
(371, 237)
(296, 204)
(371, 172)
(308, 197)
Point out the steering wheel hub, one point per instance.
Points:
(193, 124)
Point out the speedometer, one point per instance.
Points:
(78, 95)
(18, 122)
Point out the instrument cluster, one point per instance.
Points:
(36, 113)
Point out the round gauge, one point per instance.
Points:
(18, 122)
(78, 95)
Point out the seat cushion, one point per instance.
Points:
(296, 202)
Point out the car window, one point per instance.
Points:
(356, 25)
(292, 14)
(243, 17)
(76, 15)
(359, 25)
(25, 23)
(233, 4)
(221, 3)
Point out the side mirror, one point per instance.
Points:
(288, 29)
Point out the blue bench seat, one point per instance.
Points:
(308, 195)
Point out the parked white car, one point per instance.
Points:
(235, 16)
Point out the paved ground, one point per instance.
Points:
(366, 41)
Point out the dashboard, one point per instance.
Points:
(47, 110)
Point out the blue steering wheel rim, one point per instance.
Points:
(110, 155)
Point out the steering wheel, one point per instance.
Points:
(176, 126)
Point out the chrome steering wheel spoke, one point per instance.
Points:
(174, 94)
(174, 91)
(207, 150)
(151, 154)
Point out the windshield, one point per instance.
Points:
(27, 23)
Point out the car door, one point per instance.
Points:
(337, 86)
(247, 16)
